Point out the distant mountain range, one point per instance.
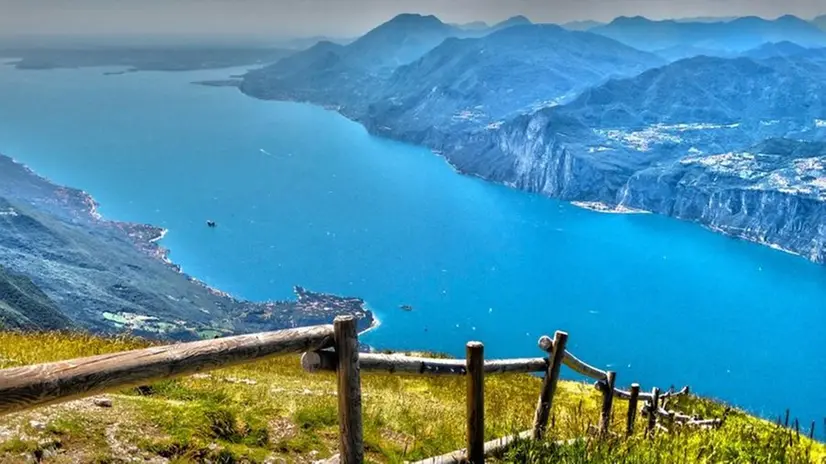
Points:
(735, 36)
(586, 117)
(465, 83)
(820, 22)
(351, 75)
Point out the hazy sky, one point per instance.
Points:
(343, 17)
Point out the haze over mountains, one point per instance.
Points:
(683, 39)
(585, 116)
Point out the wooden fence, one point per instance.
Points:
(331, 348)
(475, 368)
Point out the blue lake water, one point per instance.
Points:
(303, 196)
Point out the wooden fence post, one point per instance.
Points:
(351, 444)
(632, 408)
(652, 412)
(546, 398)
(475, 402)
(607, 402)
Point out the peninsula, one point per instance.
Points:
(66, 267)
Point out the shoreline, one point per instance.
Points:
(604, 208)
(374, 325)
(594, 206)
(146, 239)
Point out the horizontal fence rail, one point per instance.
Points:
(399, 364)
(626, 395)
(492, 448)
(38, 385)
(575, 364)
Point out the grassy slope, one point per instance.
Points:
(272, 410)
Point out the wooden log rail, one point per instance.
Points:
(575, 364)
(493, 449)
(42, 384)
(626, 395)
(398, 364)
(674, 417)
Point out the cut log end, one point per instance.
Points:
(546, 343)
(311, 361)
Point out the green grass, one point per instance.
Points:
(273, 410)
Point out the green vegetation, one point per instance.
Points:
(24, 306)
(272, 411)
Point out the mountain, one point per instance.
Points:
(775, 49)
(337, 75)
(704, 90)
(303, 43)
(582, 25)
(511, 22)
(772, 193)
(24, 306)
(592, 148)
(820, 22)
(65, 267)
(470, 83)
(399, 41)
(681, 52)
(734, 36)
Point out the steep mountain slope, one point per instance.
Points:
(703, 90)
(24, 306)
(773, 193)
(588, 150)
(469, 83)
(348, 77)
(338, 75)
(399, 41)
(733, 36)
(109, 276)
(775, 49)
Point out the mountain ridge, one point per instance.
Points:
(737, 35)
(484, 80)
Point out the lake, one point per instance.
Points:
(304, 196)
